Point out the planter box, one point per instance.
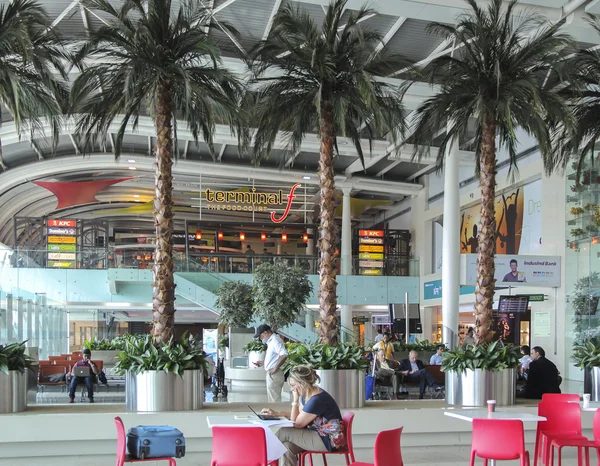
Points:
(347, 386)
(108, 357)
(591, 382)
(156, 391)
(13, 392)
(255, 356)
(475, 387)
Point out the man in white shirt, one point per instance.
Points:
(379, 336)
(274, 358)
(436, 359)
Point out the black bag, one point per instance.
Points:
(102, 378)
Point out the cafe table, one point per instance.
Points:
(275, 449)
(512, 415)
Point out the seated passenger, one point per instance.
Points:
(386, 370)
(524, 362)
(385, 346)
(317, 418)
(436, 359)
(89, 379)
(413, 370)
(543, 376)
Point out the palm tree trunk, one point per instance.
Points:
(163, 299)
(484, 291)
(328, 331)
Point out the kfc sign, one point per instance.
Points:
(371, 233)
(62, 223)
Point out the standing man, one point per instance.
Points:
(250, 255)
(543, 375)
(385, 347)
(274, 359)
(87, 370)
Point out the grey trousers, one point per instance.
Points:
(274, 386)
(296, 441)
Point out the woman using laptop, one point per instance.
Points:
(316, 415)
(83, 371)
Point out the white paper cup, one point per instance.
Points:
(586, 400)
(491, 406)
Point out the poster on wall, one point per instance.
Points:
(512, 270)
(518, 222)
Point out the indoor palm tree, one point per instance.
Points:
(154, 57)
(31, 69)
(501, 76)
(323, 79)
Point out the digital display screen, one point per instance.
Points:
(514, 304)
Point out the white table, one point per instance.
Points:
(470, 414)
(594, 405)
(275, 449)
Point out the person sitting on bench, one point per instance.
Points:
(413, 370)
(83, 371)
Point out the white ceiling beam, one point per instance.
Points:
(289, 162)
(185, 148)
(221, 152)
(63, 14)
(77, 151)
(223, 5)
(389, 167)
(211, 5)
(357, 165)
(271, 19)
(421, 172)
(149, 145)
(391, 33)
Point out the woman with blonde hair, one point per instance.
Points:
(317, 417)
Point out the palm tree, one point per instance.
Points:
(324, 80)
(153, 56)
(31, 69)
(496, 80)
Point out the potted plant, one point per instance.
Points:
(14, 364)
(341, 369)
(423, 347)
(480, 373)
(255, 349)
(105, 350)
(235, 304)
(223, 347)
(162, 376)
(587, 357)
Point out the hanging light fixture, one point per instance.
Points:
(305, 238)
(263, 237)
(220, 235)
(198, 235)
(242, 236)
(284, 237)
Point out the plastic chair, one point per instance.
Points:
(563, 421)
(579, 444)
(122, 456)
(250, 447)
(387, 449)
(485, 444)
(347, 419)
(560, 397)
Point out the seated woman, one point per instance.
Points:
(316, 415)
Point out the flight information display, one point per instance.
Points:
(516, 304)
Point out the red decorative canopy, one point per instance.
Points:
(72, 193)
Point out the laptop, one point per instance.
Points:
(81, 371)
(264, 417)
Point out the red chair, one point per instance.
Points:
(239, 446)
(347, 419)
(579, 444)
(563, 421)
(485, 444)
(560, 397)
(122, 456)
(387, 449)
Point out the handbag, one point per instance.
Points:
(102, 378)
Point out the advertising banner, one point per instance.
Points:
(369, 248)
(516, 270)
(518, 222)
(70, 256)
(61, 264)
(371, 241)
(378, 256)
(62, 223)
(62, 231)
(62, 239)
(62, 247)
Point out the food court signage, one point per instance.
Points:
(371, 252)
(252, 201)
(61, 243)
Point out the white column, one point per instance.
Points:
(310, 245)
(346, 246)
(37, 331)
(44, 331)
(309, 321)
(20, 324)
(450, 247)
(9, 318)
(51, 331)
(29, 313)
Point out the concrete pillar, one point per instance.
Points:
(9, 318)
(347, 332)
(346, 246)
(309, 320)
(29, 314)
(451, 247)
(44, 331)
(310, 245)
(37, 330)
(20, 320)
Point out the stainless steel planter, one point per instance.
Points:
(591, 382)
(347, 387)
(475, 387)
(13, 392)
(155, 391)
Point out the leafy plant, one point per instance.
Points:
(577, 210)
(424, 346)
(495, 357)
(586, 355)
(280, 293)
(13, 358)
(255, 345)
(326, 357)
(235, 303)
(223, 342)
(177, 356)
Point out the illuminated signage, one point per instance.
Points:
(371, 240)
(62, 231)
(377, 272)
(69, 256)
(371, 252)
(368, 248)
(372, 233)
(370, 264)
(251, 201)
(62, 240)
(371, 255)
(61, 264)
(62, 223)
(62, 248)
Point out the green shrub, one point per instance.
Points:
(494, 357)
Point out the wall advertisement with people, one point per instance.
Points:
(518, 222)
(514, 270)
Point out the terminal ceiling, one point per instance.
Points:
(388, 175)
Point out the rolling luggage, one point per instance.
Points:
(370, 384)
(155, 442)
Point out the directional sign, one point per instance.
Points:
(370, 240)
(62, 247)
(367, 248)
(62, 239)
(62, 231)
(62, 223)
(69, 256)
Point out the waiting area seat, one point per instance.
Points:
(123, 457)
(250, 447)
(387, 451)
(485, 441)
(348, 452)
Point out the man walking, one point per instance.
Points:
(274, 359)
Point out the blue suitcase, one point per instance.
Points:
(155, 442)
